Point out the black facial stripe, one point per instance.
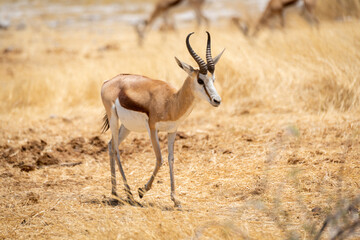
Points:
(207, 92)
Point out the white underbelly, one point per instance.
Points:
(132, 120)
(139, 122)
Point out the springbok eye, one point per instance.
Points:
(201, 82)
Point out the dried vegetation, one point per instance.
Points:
(280, 159)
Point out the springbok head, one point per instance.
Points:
(204, 77)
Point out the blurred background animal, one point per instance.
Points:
(277, 8)
(162, 9)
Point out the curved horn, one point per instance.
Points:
(199, 61)
(209, 59)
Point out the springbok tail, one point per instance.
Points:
(105, 125)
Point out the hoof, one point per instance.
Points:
(141, 192)
(177, 205)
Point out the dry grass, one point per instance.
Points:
(274, 161)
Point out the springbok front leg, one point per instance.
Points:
(171, 140)
(116, 138)
(156, 146)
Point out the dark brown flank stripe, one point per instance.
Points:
(128, 103)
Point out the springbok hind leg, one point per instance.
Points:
(112, 169)
(123, 133)
(114, 153)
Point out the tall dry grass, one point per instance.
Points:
(300, 69)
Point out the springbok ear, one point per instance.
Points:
(186, 67)
(216, 59)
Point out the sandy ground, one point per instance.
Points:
(247, 175)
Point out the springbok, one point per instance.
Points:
(145, 104)
(162, 9)
(277, 7)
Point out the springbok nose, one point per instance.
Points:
(216, 102)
